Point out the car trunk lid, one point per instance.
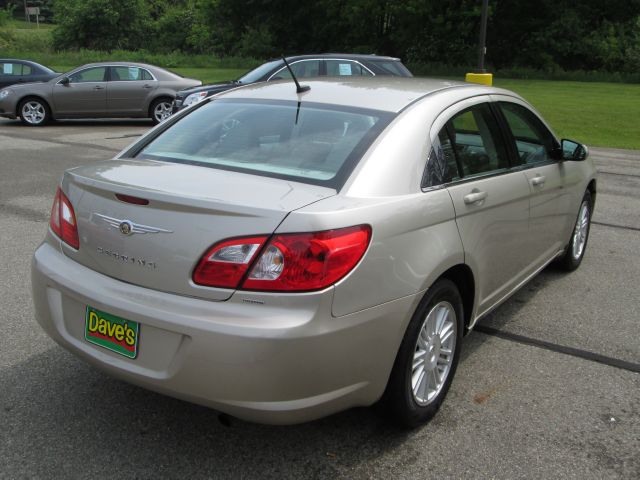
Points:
(189, 208)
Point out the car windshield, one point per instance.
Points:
(307, 142)
(256, 74)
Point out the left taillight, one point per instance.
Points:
(63, 220)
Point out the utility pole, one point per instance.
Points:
(481, 76)
(482, 44)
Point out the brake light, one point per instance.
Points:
(288, 262)
(63, 220)
(227, 262)
(308, 261)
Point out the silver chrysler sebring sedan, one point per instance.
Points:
(281, 256)
(97, 90)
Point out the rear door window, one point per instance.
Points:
(312, 143)
(341, 68)
(128, 74)
(470, 144)
(15, 69)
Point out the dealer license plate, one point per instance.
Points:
(111, 332)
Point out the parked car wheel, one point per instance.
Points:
(428, 356)
(160, 109)
(34, 112)
(574, 252)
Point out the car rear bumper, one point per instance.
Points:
(280, 362)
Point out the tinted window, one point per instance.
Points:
(310, 143)
(392, 68)
(534, 142)
(15, 69)
(129, 74)
(477, 142)
(441, 164)
(304, 68)
(338, 68)
(95, 74)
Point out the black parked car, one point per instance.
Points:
(22, 71)
(321, 65)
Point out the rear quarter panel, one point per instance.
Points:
(414, 240)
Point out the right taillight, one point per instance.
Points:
(288, 262)
(63, 220)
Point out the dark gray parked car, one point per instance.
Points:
(97, 90)
(14, 71)
(316, 65)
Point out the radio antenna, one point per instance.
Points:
(299, 88)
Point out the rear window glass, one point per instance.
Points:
(392, 68)
(306, 142)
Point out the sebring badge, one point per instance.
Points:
(127, 227)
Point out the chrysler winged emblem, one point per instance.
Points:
(127, 227)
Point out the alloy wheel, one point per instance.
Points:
(433, 353)
(33, 112)
(580, 232)
(162, 111)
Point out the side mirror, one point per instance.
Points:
(574, 151)
(64, 81)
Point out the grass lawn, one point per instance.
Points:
(598, 114)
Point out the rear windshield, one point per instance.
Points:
(394, 68)
(306, 142)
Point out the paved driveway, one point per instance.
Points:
(548, 388)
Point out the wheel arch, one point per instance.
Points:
(37, 97)
(591, 188)
(462, 276)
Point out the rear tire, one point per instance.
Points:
(34, 112)
(428, 356)
(160, 109)
(574, 253)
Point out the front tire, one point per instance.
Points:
(34, 112)
(574, 252)
(428, 356)
(160, 110)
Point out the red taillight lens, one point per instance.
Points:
(227, 262)
(63, 220)
(308, 261)
(289, 262)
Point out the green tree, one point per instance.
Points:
(101, 25)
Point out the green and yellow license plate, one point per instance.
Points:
(112, 332)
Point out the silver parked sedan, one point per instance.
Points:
(97, 90)
(281, 256)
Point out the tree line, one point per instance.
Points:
(599, 35)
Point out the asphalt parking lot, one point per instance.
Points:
(549, 388)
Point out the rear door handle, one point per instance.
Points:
(147, 86)
(538, 180)
(476, 196)
(98, 87)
